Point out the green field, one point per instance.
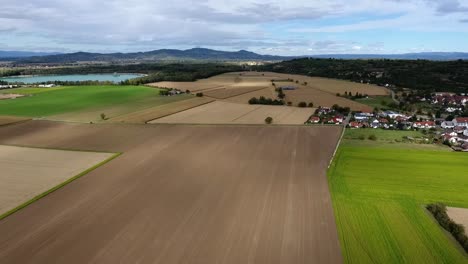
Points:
(83, 103)
(379, 192)
(381, 134)
(381, 102)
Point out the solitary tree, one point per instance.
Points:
(268, 120)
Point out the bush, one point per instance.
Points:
(187, 91)
(265, 101)
(289, 103)
(439, 211)
(310, 104)
(199, 94)
(361, 137)
(103, 116)
(268, 120)
(302, 104)
(373, 137)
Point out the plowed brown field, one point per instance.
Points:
(180, 194)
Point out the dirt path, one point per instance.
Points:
(181, 194)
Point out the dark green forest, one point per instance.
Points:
(414, 74)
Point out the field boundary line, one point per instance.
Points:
(232, 96)
(173, 113)
(59, 186)
(337, 146)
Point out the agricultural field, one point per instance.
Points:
(6, 120)
(83, 103)
(459, 216)
(219, 112)
(334, 86)
(29, 172)
(320, 91)
(179, 194)
(233, 80)
(149, 114)
(381, 102)
(379, 190)
(318, 97)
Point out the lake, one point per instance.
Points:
(73, 78)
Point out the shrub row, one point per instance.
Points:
(265, 101)
(458, 231)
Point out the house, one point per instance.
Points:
(458, 129)
(424, 124)
(355, 124)
(392, 114)
(375, 123)
(465, 133)
(338, 119)
(461, 121)
(46, 85)
(447, 124)
(464, 147)
(314, 119)
(361, 116)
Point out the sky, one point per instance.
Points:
(277, 27)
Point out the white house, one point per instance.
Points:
(465, 133)
(447, 124)
(46, 85)
(461, 121)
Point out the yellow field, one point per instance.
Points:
(28, 172)
(219, 112)
(152, 113)
(239, 87)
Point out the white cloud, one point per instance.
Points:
(109, 25)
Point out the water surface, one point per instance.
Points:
(72, 78)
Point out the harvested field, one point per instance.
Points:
(181, 194)
(244, 98)
(459, 216)
(7, 120)
(149, 114)
(10, 96)
(225, 92)
(334, 86)
(231, 113)
(320, 98)
(28, 172)
(320, 91)
(228, 81)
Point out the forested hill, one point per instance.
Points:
(414, 74)
(151, 56)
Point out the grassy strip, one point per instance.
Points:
(439, 211)
(44, 194)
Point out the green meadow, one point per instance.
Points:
(76, 100)
(379, 191)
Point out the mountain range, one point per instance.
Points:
(204, 54)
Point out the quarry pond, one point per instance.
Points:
(115, 77)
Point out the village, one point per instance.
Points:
(449, 124)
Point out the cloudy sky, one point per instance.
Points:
(293, 27)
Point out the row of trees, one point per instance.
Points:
(265, 101)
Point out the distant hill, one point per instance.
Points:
(209, 55)
(156, 55)
(23, 54)
(436, 56)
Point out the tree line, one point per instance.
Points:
(414, 74)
